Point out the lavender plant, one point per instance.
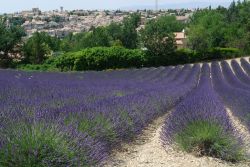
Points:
(88, 113)
(245, 65)
(75, 119)
(200, 124)
(237, 100)
(231, 78)
(240, 73)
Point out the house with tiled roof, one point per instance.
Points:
(181, 39)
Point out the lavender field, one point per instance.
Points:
(78, 118)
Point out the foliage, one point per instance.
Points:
(97, 37)
(221, 27)
(164, 25)
(101, 58)
(10, 36)
(159, 41)
(183, 56)
(37, 146)
(129, 37)
(207, 138)
(206, 30)
(37, 67)
(16, 21)
(39, 47)
(114, 30)
(115, 34)
(117, 57)
(220, 54)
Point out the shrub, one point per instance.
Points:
(37, 145)
(201, 124)
(99, 127)
(184, 56)
(101, 58)
(48, 65)
(208, 138)
(116, 57)
(220, 53)
(38, 67)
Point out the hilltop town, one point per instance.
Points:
(61, 22)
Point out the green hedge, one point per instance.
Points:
(184, 56)
(101, 58)
(220, 54)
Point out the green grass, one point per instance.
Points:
(207, 138)
(37, 146)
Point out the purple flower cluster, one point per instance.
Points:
(231, 78)
(94, 110)
(245, 65)
(202, 104)
(233, 96)
(240, 73)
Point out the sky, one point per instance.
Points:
(8, 6)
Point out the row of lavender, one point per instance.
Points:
(200, 123)
(75, 119)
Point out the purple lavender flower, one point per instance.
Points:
(202, 104)
(240, 73)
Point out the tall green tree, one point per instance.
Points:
(37, 48)
(221, 27)
(10, 36)
(158, 39)
(98, 37)
(114, 30)
(207, 30)
(129, 37)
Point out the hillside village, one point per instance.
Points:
(61, 22)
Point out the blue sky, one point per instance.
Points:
(18, 5)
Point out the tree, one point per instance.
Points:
(206, 30)
(10, 36)
(114, 30)
(129, 36)
(17, 21)
(97, 37)
(221, 27)
(159, 40)
(168, 24)
(37, 48)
